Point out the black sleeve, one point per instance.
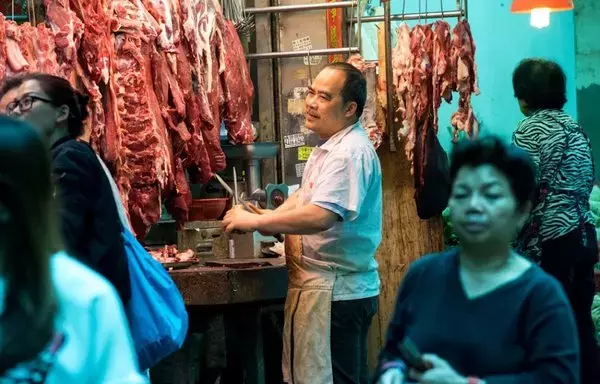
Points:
(395, 333)
(551, 337)
(75, 193)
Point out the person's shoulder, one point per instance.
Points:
(76, 284)
(434, 262)
(74, 153)
(544, 289)
(356, 146)
(358, 138)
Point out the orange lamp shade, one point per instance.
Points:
(525, 6)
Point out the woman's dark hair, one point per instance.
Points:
(27, 239)
(513, 162)
(355, 85)
(542, 84)
(61, 92)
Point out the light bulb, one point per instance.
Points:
(540, 17)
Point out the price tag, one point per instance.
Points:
(295, 106)
(300, 169)
(294, 140)
(304, 153)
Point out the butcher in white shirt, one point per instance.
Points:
(333, 284)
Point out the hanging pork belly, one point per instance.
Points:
(462, 54)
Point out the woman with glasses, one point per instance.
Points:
(60, 322)
(89, 220)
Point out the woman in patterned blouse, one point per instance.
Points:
(560, 233)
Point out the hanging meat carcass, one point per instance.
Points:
(237, 88)
(402, 64)
(146, 170)
(420, 94)
(68, 30)
(368, 119)
(443, 72)
(463, 60)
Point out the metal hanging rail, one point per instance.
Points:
(409, 16)
(298, 8)
(301, 7)
(312, 52)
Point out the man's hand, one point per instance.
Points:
(238, 219)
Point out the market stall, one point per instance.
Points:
(178, 115)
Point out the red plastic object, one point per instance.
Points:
(208, 209)
(525, 6)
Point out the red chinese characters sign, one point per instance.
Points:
(335, 31)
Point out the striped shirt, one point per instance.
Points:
(563, 156)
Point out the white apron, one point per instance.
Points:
(307, 325)
(307, 328)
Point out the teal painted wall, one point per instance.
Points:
(502, 39)
(587, 42)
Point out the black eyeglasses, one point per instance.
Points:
(25, 103)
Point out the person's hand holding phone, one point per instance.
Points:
(392, 376)
(440, 372)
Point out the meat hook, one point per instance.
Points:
(442, 8)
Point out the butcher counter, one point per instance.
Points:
(223, 285)
(236, 319)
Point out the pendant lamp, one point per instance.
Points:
(540, 9)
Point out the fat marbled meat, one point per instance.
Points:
(176, 65)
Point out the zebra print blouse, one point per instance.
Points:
(563, 156)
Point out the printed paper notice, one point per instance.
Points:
(300, 169)
(304, 153)
(305, 44)
(295, 106)
(293, 141)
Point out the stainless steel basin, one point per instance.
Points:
(255, 151)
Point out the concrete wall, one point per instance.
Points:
(587, 42)
(502, 39)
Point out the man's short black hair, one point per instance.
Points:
(541, 84)
(355, 86)
(516, 164)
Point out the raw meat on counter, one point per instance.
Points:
(161, 75)
(170, 254)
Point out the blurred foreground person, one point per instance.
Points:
(482, 313)
(60, 322)
(91, 228)
(560, 232)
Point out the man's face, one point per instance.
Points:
(325, 110)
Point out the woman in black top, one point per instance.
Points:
(90, 223)
(559, 234)
(482, 313)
